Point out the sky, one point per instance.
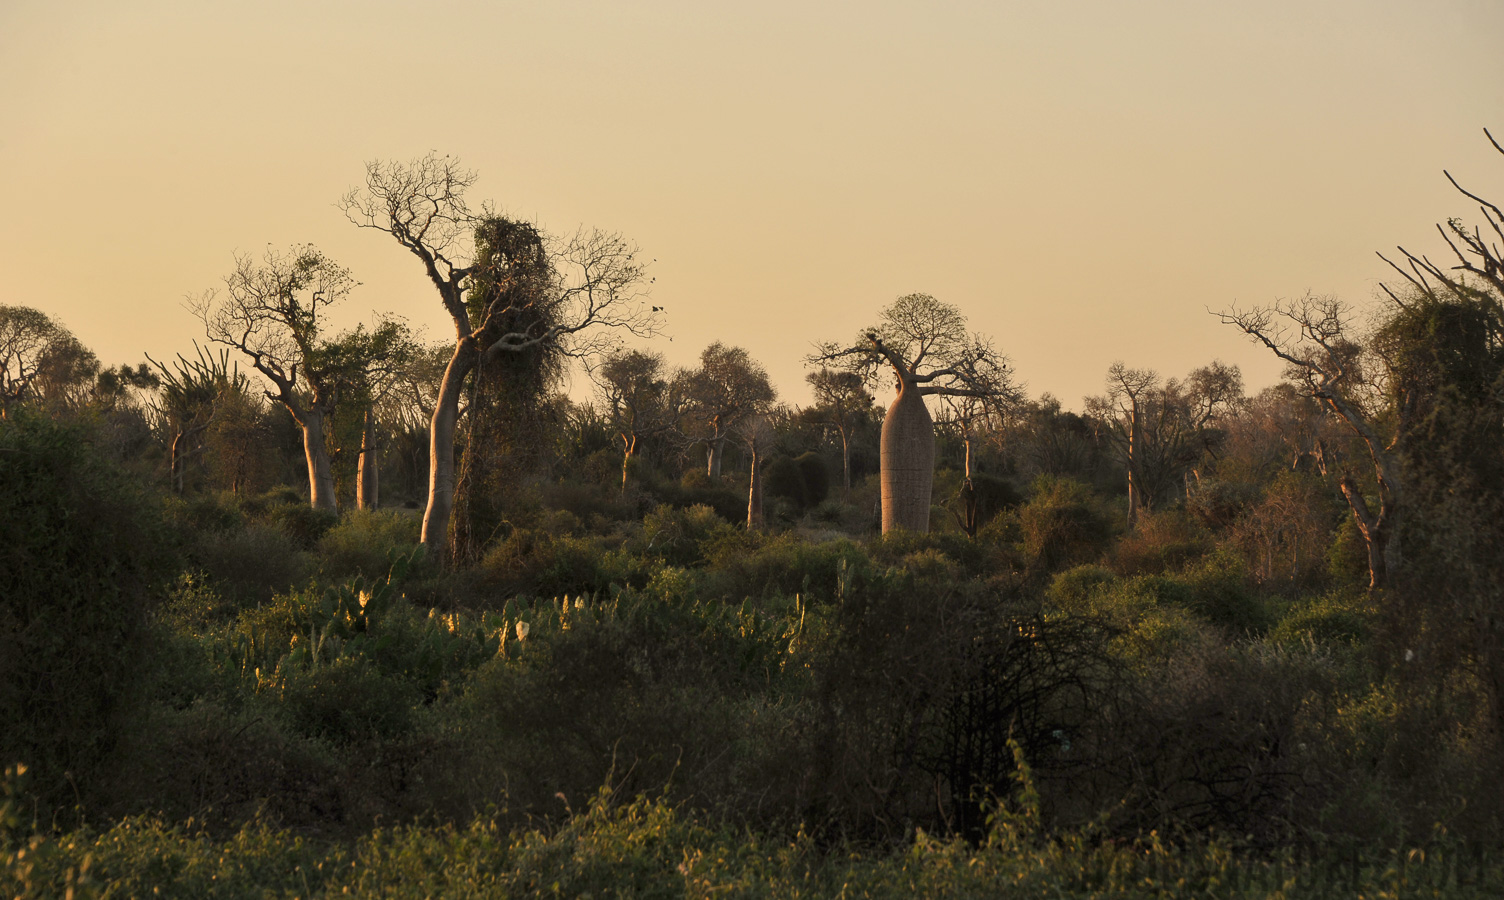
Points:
(1085, 181)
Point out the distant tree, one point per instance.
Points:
(273, 311)
(26, 334)
(191, 394)
(634, 392)
(924, 343)
(573, 299)
(1315, 339)
(1162, 428)
(842, 401)
(727, 387)
(758, 433)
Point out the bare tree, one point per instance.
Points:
(273, 312)
(570, 294)
(925, 345)
(1476, 254)
(1161, 429)
(1313, 336)
(727, 387)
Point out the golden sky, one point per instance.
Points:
(1082, 179)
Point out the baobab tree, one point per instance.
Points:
(634, 391)
(273, 311)
(569, 295)
(757, 432)
(925, 346)
(727, 387)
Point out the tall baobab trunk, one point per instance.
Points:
(446, 416)
(320, 474)
(368, 469)
(908, 461)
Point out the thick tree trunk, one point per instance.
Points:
(908, 462)
(446, 415)
(368, 470)
(320, 475)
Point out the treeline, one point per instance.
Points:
(318, 581)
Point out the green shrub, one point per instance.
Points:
(250, 564)
(346, 700)
(303, 524)
(680, 536)
(366, 543)
(81, 562)
(752, 565)
(528, 562)
(1160, 542)
(1338, 617)
(1061, 525)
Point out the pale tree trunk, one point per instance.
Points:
(717, 448)
(754, 491)
(908, 461)
(320, 475)
(368, 471)
(629, 450)
(446, 415)
(1378, 532)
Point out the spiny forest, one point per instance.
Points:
(305, 611)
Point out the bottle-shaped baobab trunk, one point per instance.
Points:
(908, 462)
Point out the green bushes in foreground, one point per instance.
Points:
(647, 848)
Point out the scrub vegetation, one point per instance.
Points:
(678, 640)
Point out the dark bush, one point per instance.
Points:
(81, 563)
(815, 475)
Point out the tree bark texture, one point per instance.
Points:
(441, 431)
(908, 462)
(320, 475)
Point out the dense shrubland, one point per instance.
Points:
(1188, 640)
